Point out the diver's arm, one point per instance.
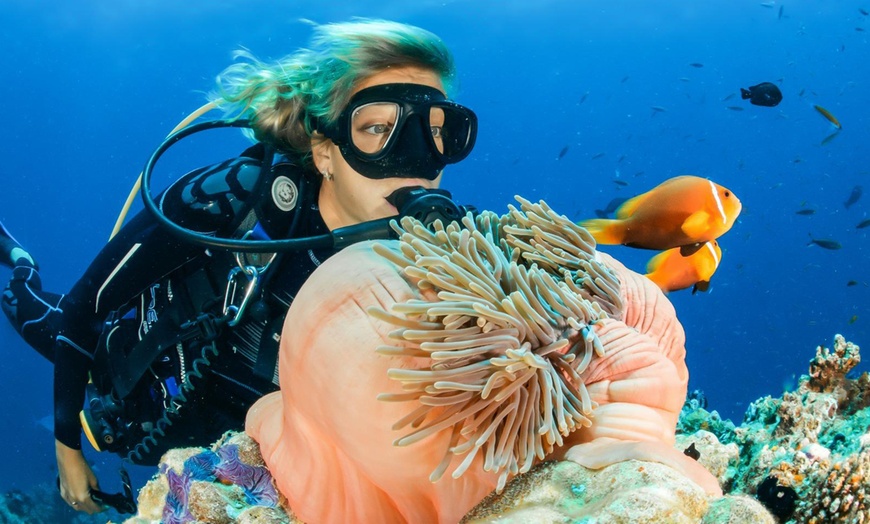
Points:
(76, 479)
(71, 365)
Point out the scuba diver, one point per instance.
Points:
(173, 330)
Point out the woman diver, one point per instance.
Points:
(166, 341)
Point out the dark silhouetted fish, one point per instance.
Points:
(851, 283)
(863, 12)
(824, 243)
(697, 64)
(583, 98)
(862, 224)
(596, 156)
(729, 96)
(859, 29)
(562, 153)
(624, 80)
(854, 196)
(764, 94)
(735, 108)
(619, 182)
(779, 16)
(805, 212)
(612, 206)
(827, 140)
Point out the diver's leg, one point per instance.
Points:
(11, 252)
(32, 311)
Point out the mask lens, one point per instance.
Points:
(451, 131)
(373, 125)
(436, 125)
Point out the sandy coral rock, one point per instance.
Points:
(563, 491)
(151, 499)
(215, 503)
(714, 456)
(249, 450)
(737, 510)
(264, 515)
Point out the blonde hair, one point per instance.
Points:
(284, 98)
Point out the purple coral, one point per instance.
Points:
(226, 467)
(176, 511)
(202, 466)
(256, 481)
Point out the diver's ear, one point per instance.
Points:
(321, 152)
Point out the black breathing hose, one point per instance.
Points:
(426, 205)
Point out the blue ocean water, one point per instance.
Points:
(90, 88)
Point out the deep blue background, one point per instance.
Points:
(89, 88)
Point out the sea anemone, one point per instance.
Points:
(507, 333)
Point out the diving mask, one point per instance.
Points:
(402, 130)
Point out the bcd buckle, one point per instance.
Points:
(236, 302)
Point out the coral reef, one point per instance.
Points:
(811, 446)
(648, 493)
(807, 452)
(227, 483)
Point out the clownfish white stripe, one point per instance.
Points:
(718, 202)
(712, 251)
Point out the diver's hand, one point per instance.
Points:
(76, 479)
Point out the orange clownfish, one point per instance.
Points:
(671, 271)
(684, 211)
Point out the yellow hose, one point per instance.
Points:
(126, 209)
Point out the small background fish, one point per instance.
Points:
(764, 94)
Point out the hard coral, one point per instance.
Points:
(648, 493)
(829, 368)
(219, 485)
(813, 442)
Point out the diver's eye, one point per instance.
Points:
(378, 129)
(436, 131)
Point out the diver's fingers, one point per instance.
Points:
(85, 504)
(75, 479)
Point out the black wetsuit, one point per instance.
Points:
(144, 264)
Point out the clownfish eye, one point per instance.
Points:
(727, 194)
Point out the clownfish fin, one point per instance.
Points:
(696, 224)
(604, 231)
(690, 249)
(656, 262)
(630, 206)
(701, 286)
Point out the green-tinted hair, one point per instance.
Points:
(283, 97)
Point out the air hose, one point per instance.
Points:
(197, 369)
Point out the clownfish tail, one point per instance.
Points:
(605, 231)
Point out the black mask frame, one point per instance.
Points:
(410, 151)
